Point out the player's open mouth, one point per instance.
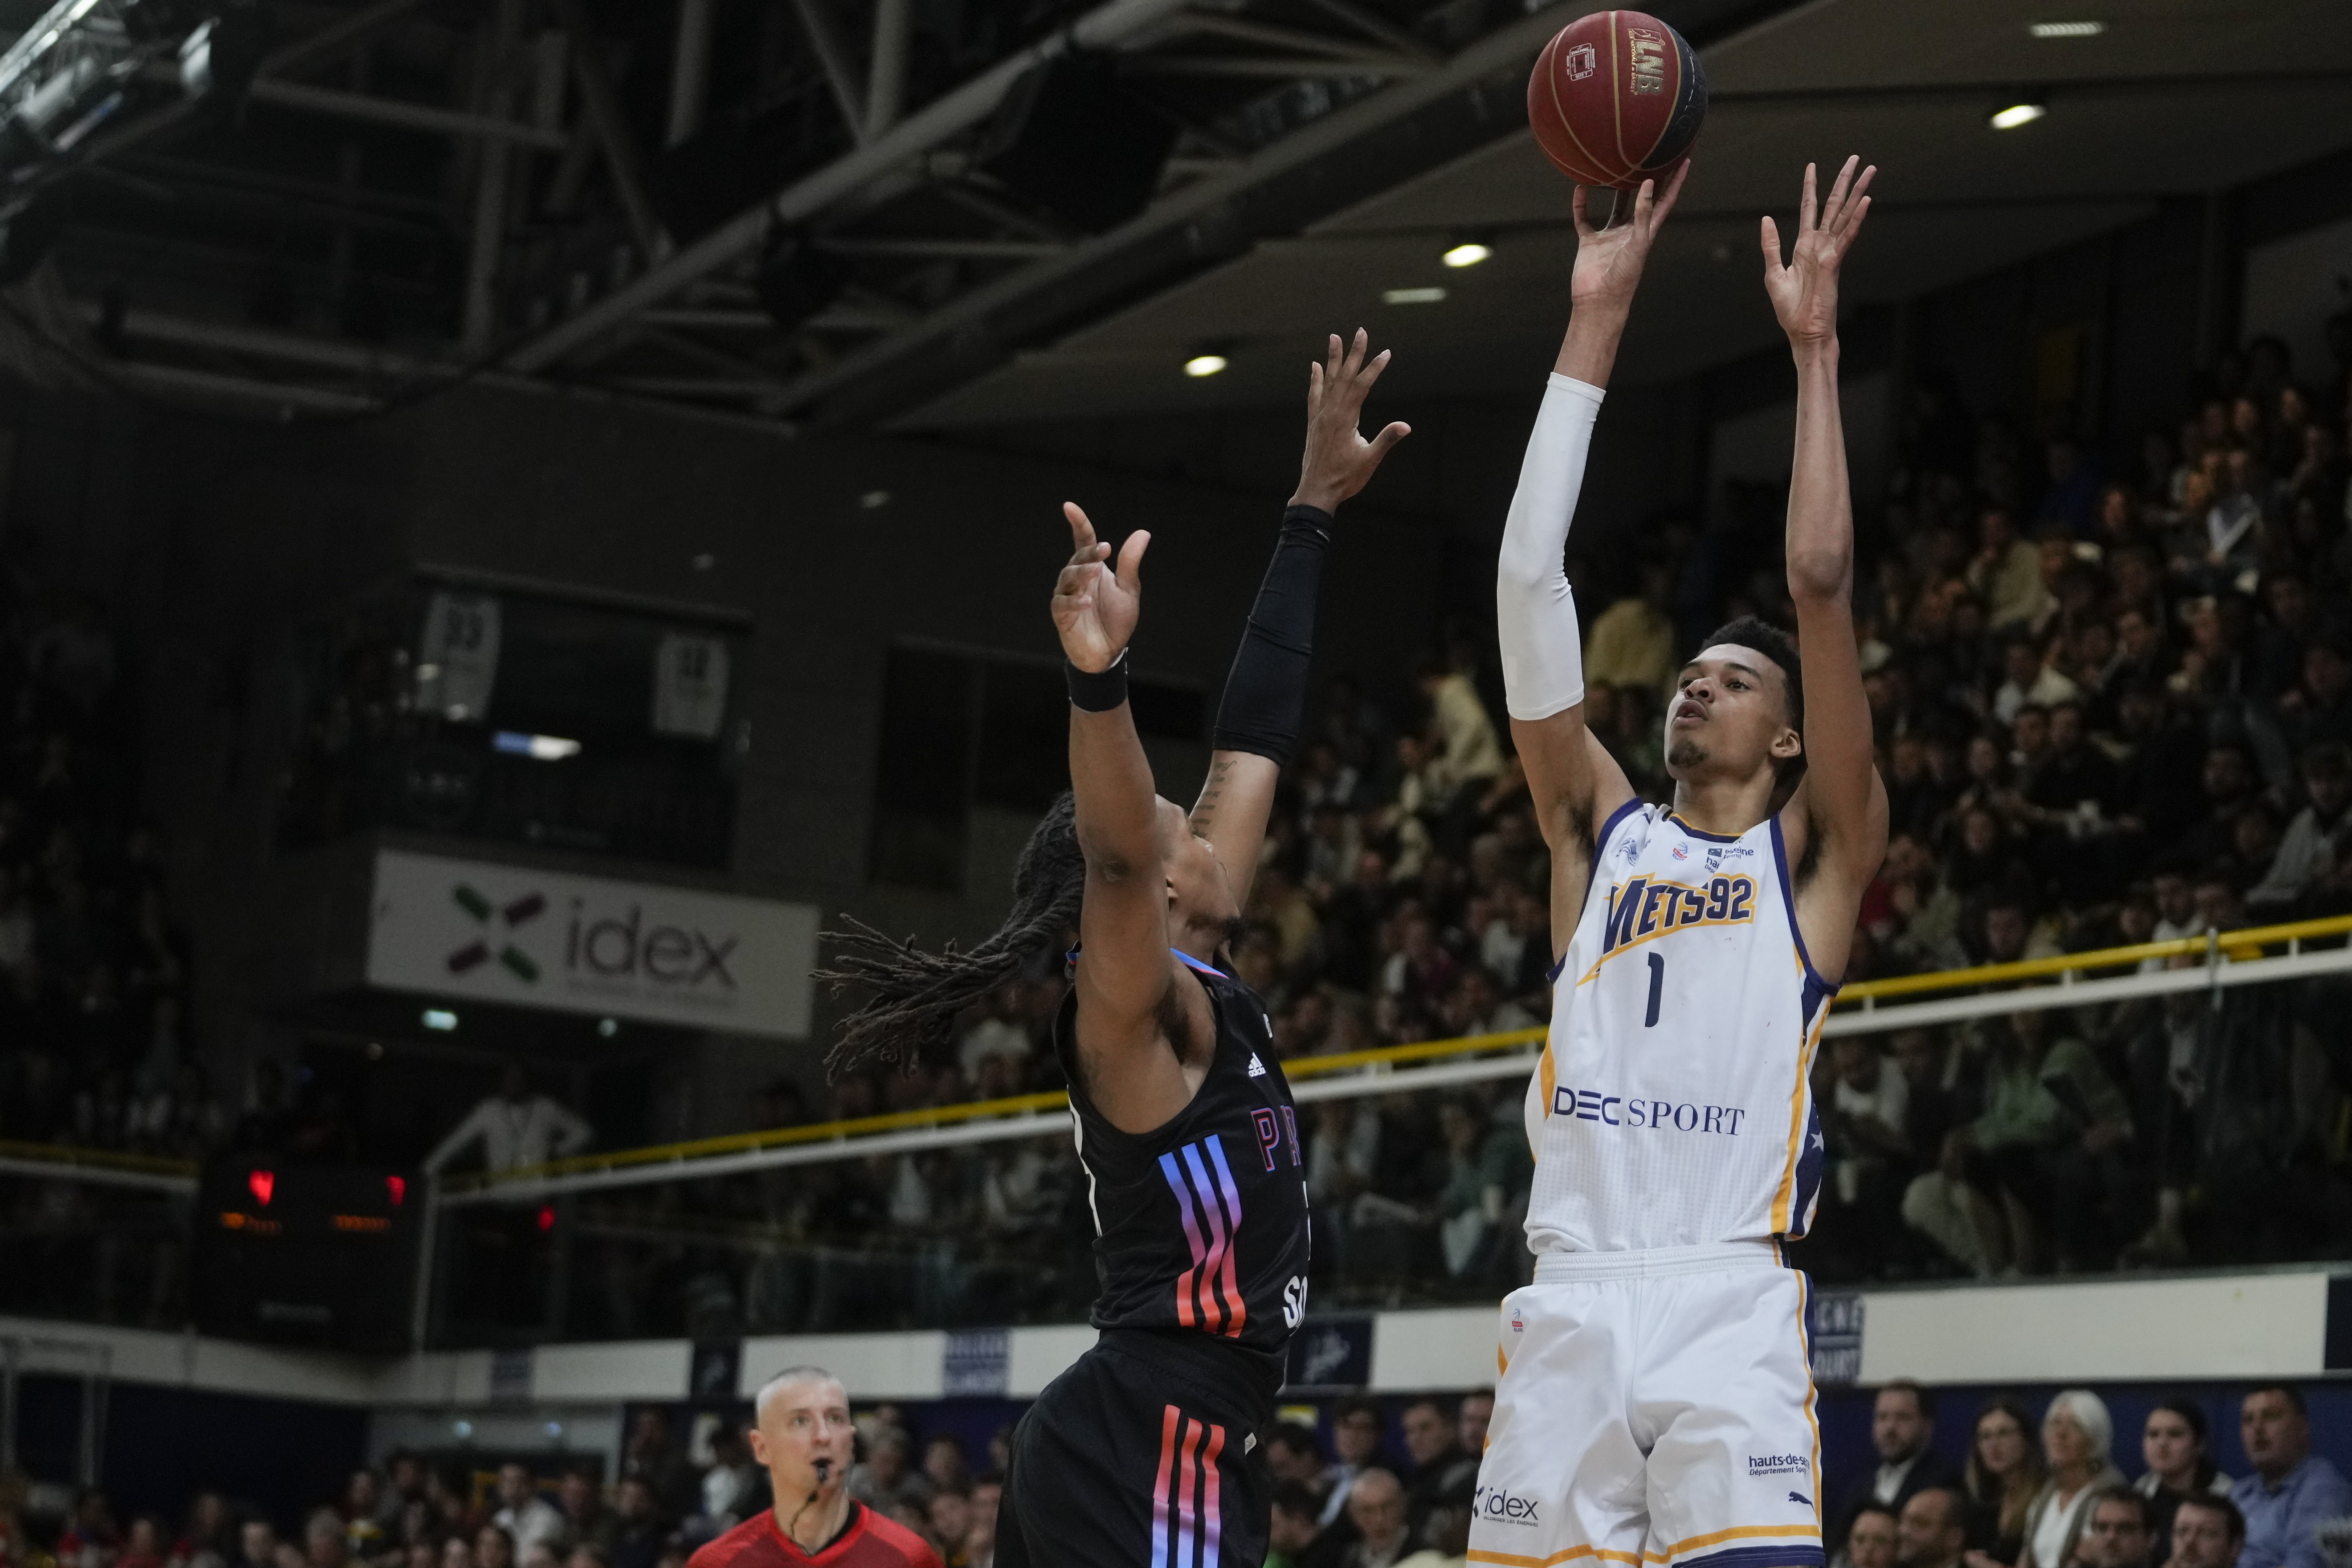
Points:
(1689, 708)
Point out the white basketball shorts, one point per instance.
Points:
(1653, 1408)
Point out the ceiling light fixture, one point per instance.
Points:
(1429, 296)
(2068, 29)
(1201, 365)
(540, 748)
(2018, 114)
(1468, 254)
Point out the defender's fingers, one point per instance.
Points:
(1576, 208)
(1388, 438)
(1666, 199)
(1082, 529)
(1130, 560)
(1771, 236)
(1642, 199)
(1856, 199)
(1808, 205)
(1836, 202)
(1332, 355)
(1356, 347)
(1370, 373)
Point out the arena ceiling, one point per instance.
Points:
(554, 191)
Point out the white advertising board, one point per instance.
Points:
(587, 945)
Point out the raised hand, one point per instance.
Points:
(1339, 461)
(1094, 608)
(1609, 260)
(1805, 292)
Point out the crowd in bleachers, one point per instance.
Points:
(1357, 1482)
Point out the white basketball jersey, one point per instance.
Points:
(1671, 1107)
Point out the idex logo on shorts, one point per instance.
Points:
(1503, 1507)
(1634, 1110)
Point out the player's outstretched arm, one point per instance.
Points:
(1265, 695)
(1836, 821)
(1130, 995)
(1575, 782)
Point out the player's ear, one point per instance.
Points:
(1788, 743)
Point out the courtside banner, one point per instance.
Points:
(586, 944)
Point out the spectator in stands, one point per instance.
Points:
(1443, 1473)
(2004, 1475)
(361, 1505)
(1294, 1457)
(90, 1537)
(2292, 1489)
(2078, 1441)
(1932, 1530)
(2116, 1532)
(207, 1541)
(1471, 1419)
(1292, 1530)
(635, 1540)
(142, 1546)
(586, 1520)
(494, 1547)
(1632, 642)
(733, 1488)
(2208, 1531)
(2176, 1448)
(944, 1465)
(884, 1478)
(528, 1519)
(1355, 1445)
(1902, 1433)
(1376, 1507)
(324, 1544)
(2304, 870)
(257, 1545)
(514, 1128)
(1870, 1537)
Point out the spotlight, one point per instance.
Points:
(440, 1018)
(2018, 114)
(1468, 254)
(2068, 29)
(1202, 365)
(1429, 296)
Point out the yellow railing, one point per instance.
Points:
(2234, 944)
(2237, 944)
(95, 1159)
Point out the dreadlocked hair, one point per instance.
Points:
(915, 997)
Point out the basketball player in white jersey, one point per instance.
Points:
(1656, 1405)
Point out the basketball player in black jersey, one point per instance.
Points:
(1145, 1453)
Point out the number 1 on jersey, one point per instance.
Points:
(1657, 987)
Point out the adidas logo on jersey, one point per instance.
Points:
(1257, 1067)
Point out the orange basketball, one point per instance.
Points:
(1616, 99)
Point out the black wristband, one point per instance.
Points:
(1096, 692)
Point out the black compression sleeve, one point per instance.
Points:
(1265, 695)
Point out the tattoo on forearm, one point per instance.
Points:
(1205, 812)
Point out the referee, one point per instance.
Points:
(804, 1436)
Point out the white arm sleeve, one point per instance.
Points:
(1543, 657)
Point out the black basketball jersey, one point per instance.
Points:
(1200, 1224)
